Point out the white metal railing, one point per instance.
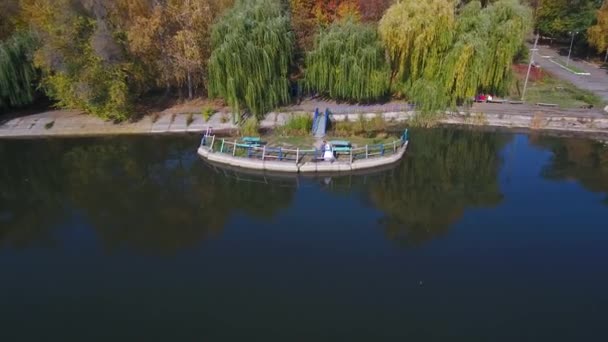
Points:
(237, 149)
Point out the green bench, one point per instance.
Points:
(251, 142)
(341, 146)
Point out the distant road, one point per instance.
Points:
(597, 82)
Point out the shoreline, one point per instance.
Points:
(530, 118)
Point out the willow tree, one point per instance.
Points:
(416, 34)
(464, 64)
(17, 71)
(348, 63)
(510, 22)
(252, 52)
(444, 59)
(485, 43)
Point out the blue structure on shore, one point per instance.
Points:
(319, 123)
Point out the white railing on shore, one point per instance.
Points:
(239, 149)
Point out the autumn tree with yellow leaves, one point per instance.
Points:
(598, 33)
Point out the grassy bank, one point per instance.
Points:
(548, 89)
(297, 132)
(572, 68)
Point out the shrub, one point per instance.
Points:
(250, 127)
(207, 113)
(297, 125)
(343, 128)
(361, 124)
(378, 123)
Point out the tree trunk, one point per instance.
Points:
(189, 86)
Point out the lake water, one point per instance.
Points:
(473, 237)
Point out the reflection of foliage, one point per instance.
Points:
(30, 192)
(152, 194)
(444, 173)
(583, 160)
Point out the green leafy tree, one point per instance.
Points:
(82, 63)
(348, 63)
(556, 18)
(598, 33)
(252, 53)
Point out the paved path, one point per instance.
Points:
(597, 82)
(71, 123)
(507, 109)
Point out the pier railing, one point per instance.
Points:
(289, 155)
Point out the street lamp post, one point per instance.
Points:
(532, 52)
(571, 44)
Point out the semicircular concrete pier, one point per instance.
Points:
(300, 166)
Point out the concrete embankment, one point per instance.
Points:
(65, 123)
(508, 116)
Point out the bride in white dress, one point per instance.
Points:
(328, 154)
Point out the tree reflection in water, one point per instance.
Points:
(444, 173)
(583, 160)
(151, 194)
(32, 192)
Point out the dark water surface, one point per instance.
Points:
(474, 237)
